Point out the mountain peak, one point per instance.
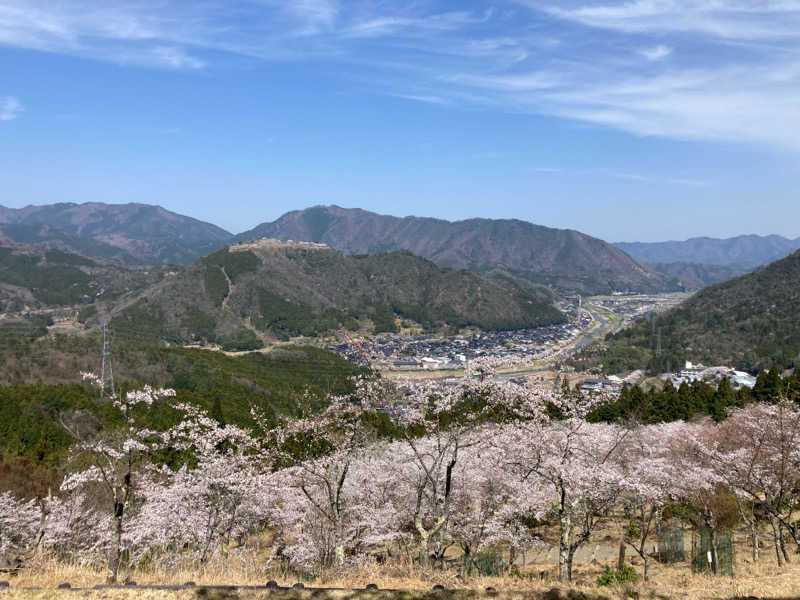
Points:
(139, 233)
(562, 259)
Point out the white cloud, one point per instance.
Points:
(176, 58)
(629, 176)
(423, 98)
(736, 77)
(734, 19)
(10, 108)
(732, 104)
(656, 52)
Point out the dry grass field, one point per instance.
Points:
(762, 580)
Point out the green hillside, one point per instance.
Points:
(40, 277)
(751, 322)
(40, 388)
(241, 296)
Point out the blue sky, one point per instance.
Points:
(626, 119)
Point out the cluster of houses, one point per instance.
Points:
(697, 372)
(611, 386)
(690, 372)
(424, 352)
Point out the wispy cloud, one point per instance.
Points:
(422, 98)
(656, 52)
(10, 108)
(638, 177)
(689, 69)
(734, 19)
(626, 175)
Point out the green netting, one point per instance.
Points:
(703, 557)
(670, 545)
(485, 564)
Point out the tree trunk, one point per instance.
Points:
(621, 554)
(786, 558)
(116, 543)
(564, 554)
(712, 542)
(646, 564)
(423, 551)
(338, 554)
(754, 539)
(776, 538)
(570, 560)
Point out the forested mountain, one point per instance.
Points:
(561, 258)
(134, 233)
(41, 390)
(36, 277)
(741, 252)
(240, 294)
(751, 322)
(694, 276)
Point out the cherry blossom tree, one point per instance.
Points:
(488, 507)
(757, 453)
(440, 423)
(76, 530)
(21, 527)
(648, 477)
(220, 497)
(699, 482)
(570, 465)
(319, 450)
(114, 460)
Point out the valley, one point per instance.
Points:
(299, 361)
(399, 300)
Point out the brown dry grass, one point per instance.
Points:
(762, 579)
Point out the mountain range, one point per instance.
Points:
(139, 234)
(357, 270)
(133, 233)
(562, 259)
(692, 276)
(741, 252)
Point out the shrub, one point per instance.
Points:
(612, 577)
(241, 339)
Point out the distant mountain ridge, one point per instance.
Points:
(694, 276)
(740, 252)
(563, 259)
(133, 233)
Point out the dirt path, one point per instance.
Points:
(246, 321)
(231, 289)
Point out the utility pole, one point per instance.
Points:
(106, 371)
